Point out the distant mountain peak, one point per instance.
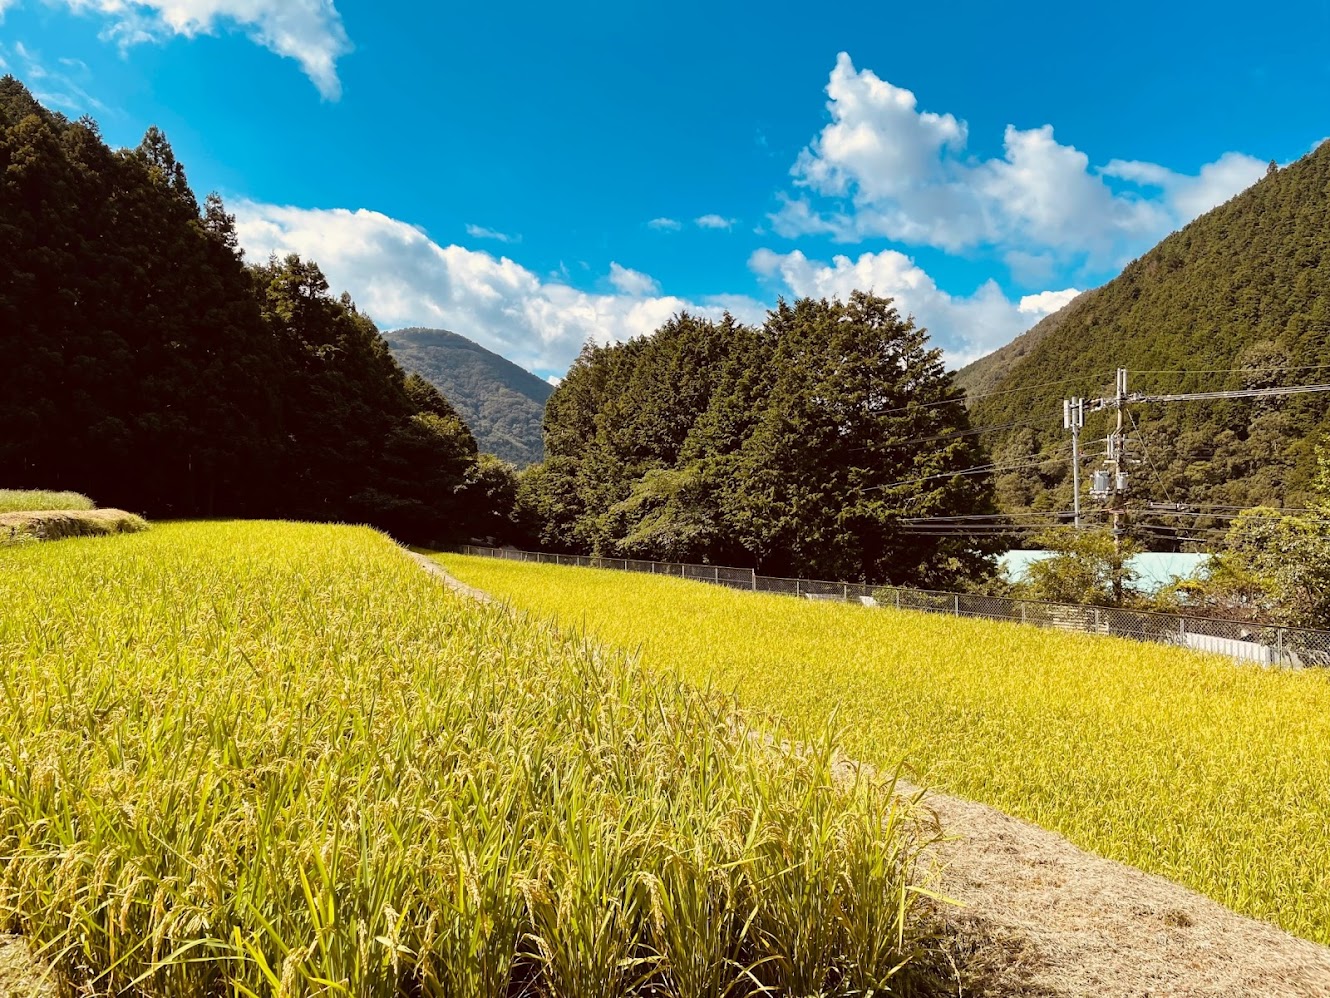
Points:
(502, 403)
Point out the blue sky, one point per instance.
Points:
(533, 175)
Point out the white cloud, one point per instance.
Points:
(890, 169)
(964, 327)
(1193, 196)
(555, 380)
(480, 232)
(1046, 302)
(400, 277)
(308, 31)
(632, 282)
(715, 222)
(665, 224)
(62, 88)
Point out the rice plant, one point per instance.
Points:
(1212, 774)
(276, 759)
(37, 501)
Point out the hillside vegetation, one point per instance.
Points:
(232, 766)
(1213, 775)
(502, 403)
(145, 363)
(1240, 298)
(796, 447)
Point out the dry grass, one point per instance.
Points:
(27, 527)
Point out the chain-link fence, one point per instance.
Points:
(1261, 643)
(736, 578)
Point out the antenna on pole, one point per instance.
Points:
(1073, 418)
(1111, 484)
(1117, 457)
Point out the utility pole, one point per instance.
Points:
(1111, 484)
(1118, 455)
(1073, 418)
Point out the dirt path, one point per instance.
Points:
(1041, 917)
(20, 976)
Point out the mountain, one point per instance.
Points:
(980, 376)
(502, 403)
(1238, 299)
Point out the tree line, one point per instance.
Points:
(145, 363)
(798, 447)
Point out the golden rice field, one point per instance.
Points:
(276, 759)
(36, 500)
(1212, 774)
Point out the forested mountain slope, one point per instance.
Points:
(1240, 298)
(501, 402)
(144, 363)
(980, 376)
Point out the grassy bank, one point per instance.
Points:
(245, 759)
(27, 527)
(36, 500)
(1214, 775)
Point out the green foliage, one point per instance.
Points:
(1272, 567)
(278, 759)
(489, 500)
(795, 447)
(146, 364)
(1085, 566)
(501, 402)
(1240, 298)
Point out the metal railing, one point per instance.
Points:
(1265, 644)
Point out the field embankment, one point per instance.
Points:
(53, 525)
(28, 515)
(281, 759)
(1213, 775)
(39, 500)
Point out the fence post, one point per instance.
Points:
(1279, 646)
(847, 592)
(1096, 620)
(797, 586)
(717, 571)
(898, 598)
(958, 604)
(753, 573)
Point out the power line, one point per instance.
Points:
(981, 469)
(993, 516)
(1146, 451)
(1250, 393)
(958, 434)
(966, 397)
(1238, 370)
(1229, 517)
(1240, 509)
